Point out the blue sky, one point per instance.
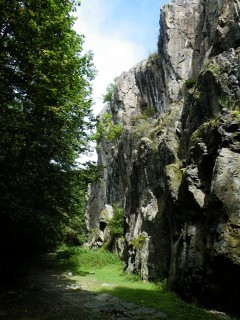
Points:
(120, 33)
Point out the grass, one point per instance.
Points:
(82, 260)
(99, 267)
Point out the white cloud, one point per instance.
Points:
(117, 44)
(108, 39)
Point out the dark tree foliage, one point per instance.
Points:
(45, 115)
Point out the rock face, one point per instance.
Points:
(175, 167)
(178, 23)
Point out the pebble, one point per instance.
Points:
(107, 285)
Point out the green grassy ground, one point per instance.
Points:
(101, 267)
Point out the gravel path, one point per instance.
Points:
(50, 293)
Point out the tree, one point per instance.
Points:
(45, 101)
(109, 92)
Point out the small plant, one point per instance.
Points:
(109, 92)
(189, 83)
(138, 242)
(204, 130)
(223, 100)
(138, 117)
(116, 224)
(147, 113)
(235, 114)
(212, 68)
(106, 129)
(153, 55)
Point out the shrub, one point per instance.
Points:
(146, 114)
(106, 129)
(235, 114)
(138, 242)
(109, 92)
(224, 101)
(190, 83)
(116, 224)
(153, 55)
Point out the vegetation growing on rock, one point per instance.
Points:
(109, 92)
(177, 171)
(138, 242)
(189, 83)
(116, 223)
(106, 129)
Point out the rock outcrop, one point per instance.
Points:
(175, 167)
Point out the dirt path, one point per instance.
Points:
(50, 293)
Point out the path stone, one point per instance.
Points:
(119, 309)
(48, 294)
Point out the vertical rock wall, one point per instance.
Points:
(178, 22)
(175, 167)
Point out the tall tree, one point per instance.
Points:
(45, 108)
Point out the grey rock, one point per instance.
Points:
(175, 168)
(233, 79)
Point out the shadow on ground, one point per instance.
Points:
(43, 293)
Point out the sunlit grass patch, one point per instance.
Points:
(104, 273)
(82, 259)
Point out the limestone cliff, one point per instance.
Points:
(175, 168)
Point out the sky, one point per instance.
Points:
(120, 33)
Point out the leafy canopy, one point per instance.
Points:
(45, 101)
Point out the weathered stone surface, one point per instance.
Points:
(177, 33)
(225, 188)
(175, 168)
(204, 217)
(139, 90)
(118, 309)
(218, 30)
